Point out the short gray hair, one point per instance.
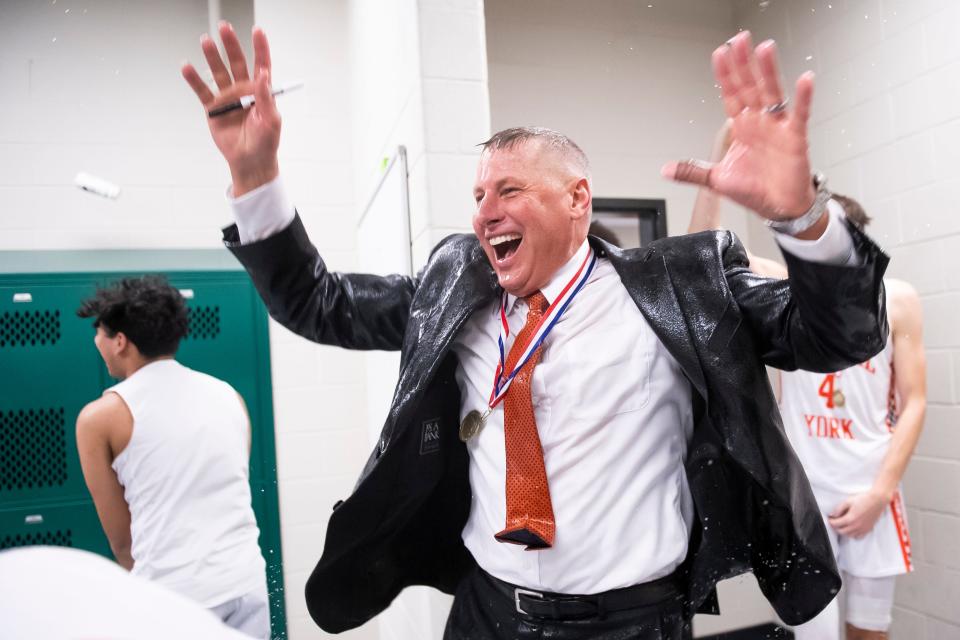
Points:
(515, 136)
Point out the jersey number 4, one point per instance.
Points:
(826, 389)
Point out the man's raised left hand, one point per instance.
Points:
(767, 166)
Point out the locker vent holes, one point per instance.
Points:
(33, 449)
(204, 322)
(56, 538)
(29, 328)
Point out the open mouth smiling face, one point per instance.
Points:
(512, 257)
(506, 245)
(526, 217)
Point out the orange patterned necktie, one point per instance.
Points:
(530, 518)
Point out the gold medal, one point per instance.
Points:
(472, 424)
(838, 398)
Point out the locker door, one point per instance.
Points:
(49, 369)
(64, 525)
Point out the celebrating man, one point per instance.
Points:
(582, 440)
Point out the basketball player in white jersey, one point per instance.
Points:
(165, 454)
(854, 432)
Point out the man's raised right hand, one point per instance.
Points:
(247, 138)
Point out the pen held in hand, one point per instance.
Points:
(245, 102)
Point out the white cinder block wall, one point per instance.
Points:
(88, 87)
(630, 82)
(419, 80)
(886, 129)
(456, 117)
(385, 89)
(632, 85)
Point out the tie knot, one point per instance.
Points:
(536, 303)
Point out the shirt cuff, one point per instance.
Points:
(263, 212)
(835, 246)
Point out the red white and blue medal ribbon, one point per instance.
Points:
(550, 318)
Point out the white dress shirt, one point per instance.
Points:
(614, 414)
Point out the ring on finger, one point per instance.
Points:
(692, 170)
(778, 108)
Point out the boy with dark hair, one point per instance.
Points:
(165, 454)
(147, 309)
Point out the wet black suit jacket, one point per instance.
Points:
(401, 525)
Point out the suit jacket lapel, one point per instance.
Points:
(644, 273)
(451, 298)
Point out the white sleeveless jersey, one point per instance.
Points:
(185, 475)
(840, 424)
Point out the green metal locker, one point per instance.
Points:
(49, 369)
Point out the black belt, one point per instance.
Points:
(559, 606)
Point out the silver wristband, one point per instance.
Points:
(810, 217)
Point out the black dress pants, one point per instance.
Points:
(482, 611)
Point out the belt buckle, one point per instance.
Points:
(517, 592)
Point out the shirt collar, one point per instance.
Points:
(560, 278)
